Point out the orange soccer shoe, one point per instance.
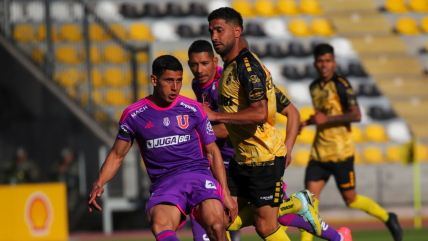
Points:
(346, 233)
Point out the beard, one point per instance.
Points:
(225, 49)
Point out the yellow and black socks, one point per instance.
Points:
(305, 236)
(369, 206)
(278, 235)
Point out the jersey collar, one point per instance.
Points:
(216, 78)
(243, 51)
(334, 77)
(162, 108)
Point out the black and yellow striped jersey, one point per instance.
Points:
(333, 142)
(246, 80)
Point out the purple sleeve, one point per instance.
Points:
(205, 130)
(126, 128)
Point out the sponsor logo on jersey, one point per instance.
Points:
(257, 94)
(188, 106)
(206, 99)
(180, 121)
(124, 128)
(287, 207)
(270, 197)
(166, 121)
(210, 130)
(210, 185)
(135, 113)
(167, 141)
(254, 79)
(229, 79)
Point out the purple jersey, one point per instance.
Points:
(207, 94)
(170, 139)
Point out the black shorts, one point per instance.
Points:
(342, 171)
(261, 185)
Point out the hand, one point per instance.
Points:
(231, 207)
(96, 192)
(302, 125)
(319, 118)
(288, 161)
(211, 114)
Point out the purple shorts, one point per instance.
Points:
(186, 191)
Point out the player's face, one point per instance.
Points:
(203, 66)
(168, 85)
(222, 36)
(325, 65)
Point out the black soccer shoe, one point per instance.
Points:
(394, 227)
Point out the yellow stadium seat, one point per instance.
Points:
(376, 133)
(243, 7)
(306, 136)
(322, 27)
(160, 53)
(301, 157)
(116, 98)
(101, 117)
(117, 77)
(118, 115)
(97, 97)
(419, 5)
(181, 55)
(71, 92)
(187, 77)
(281, 119)
(373, 155)
(393, 154)
(97, 33)
(70, 78)
(424, 24)
(265, 8)
(140, 32)
(188, 93)
(23, 33)
(142, 94)
(97, 78)
(421, 153)
(142, 57)
(357, 158)
(306, 112)
(71, 32)
(41, 34)
(396, 6)
(119, 31)
(116, 54)
(288, 7)
(38, 55)
(282, 130)
(407, 26)
(142, 78)
(357, 134)
(69, 55)
(299, 28)
(96, 56)
(310, 7)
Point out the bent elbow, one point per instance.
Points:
(262, 119)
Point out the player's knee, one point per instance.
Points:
(264, 230)
(348, 199)
(217, 226)
(161, 224)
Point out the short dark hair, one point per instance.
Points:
(323, 48)
(165, 62)
(227, 14)
(200, 46)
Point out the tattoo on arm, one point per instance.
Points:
(234, 122)
(260, 105)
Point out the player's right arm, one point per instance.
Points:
(220, 131)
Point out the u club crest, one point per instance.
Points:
(181, 119)
(166, 121)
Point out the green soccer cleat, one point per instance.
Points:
(308, 212)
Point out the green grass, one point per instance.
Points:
(372, 235)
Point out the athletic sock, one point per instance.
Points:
(167, 235)
(278, 235)
(290, 206)
(294, 220)
(244, 219)
(228, 236)
(284, 228)
(369, 206)
(305, 236)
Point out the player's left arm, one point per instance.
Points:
(348, 101)
(220, 131)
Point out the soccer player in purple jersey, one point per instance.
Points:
(173, 132)
(203, 65)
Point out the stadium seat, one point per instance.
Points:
(140, 32)
(69, 55)
(421, 153)
(282, 131)
(281, 119)
(274, 50)
(161, 52)
(291, 73)
(117, 77)
(96, 56)
(373, 155)
(60, 11)
(299, 28)
(129, 10)
(369, 90)
(424, 24)
(38, 55)
(36, 11)
(301, 157)
(185, 31)
(419, 5)
(343, 47)
(188, 93)
(41, 34)
(97, 79)
(288, 7)
(142, 78)
(23, 33)
(306, 136)
(70, 78)
(116, 54)
(213, 5)
(152, 10)
(119, 31)
(16, 12)
(341, 70)
(311, 71)
(393, 154)
(97, 33)
(101, 117)
(357, 158)
(357, 134)
(244, 7)
(78, 11)
(265, 8)
(395, 6)
(253, 29)
(398, 131)
(142, 94)
(322, 27)
(376, 133)
(181, 55)
(310, 7)
(276, 28)
(355, 69)
(116, 98)
(164, 31)
(296, 49)
(187, 77)
(175, 9)
(198, 9)
(407, 26)
(108, 10)
(203, 31)
(379, 113)
(299, 93)
(142, 57)
(71, 33)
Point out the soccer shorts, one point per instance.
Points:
(186, 191)
(261, 185)
(342, 171)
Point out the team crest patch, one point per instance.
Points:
(181, 119)
(210, 130)
(254, 79)
(206, 99)
(166, 121)
(210, 185)
(256, 94)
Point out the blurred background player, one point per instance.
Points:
(20, 170)
(171, 131)
(203, 65)
(333, 148)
